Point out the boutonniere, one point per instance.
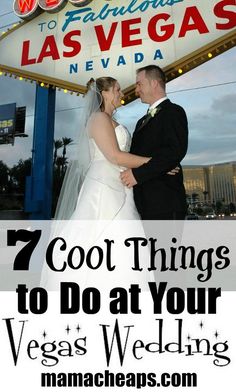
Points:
(152, 112)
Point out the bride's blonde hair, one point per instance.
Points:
(103, 84)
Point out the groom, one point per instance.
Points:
(163, 135)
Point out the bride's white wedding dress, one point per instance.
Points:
(103, 196)
(105, 210)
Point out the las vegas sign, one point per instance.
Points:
(65, 43)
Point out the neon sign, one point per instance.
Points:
(28, 9)
(115, 37)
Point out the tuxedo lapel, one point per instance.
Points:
(148, 117)
(144, 121)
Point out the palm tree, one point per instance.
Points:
(65, 142)
(205, 193)
(195, 197)
(61, 163)
(4, 171)
(18, 173)
(188, 197)
(57, 144)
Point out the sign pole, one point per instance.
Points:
(38, 195)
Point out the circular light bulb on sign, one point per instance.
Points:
(28, 9)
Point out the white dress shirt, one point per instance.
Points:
(155, 104)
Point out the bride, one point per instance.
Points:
(102, 154)
(93, 198)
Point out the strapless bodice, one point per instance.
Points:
(101, 169)
(123, 139)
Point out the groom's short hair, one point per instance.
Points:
(154, 72)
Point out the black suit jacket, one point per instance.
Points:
(164, 138)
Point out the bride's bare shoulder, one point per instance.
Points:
(100, 116)
(99, 119)
(98, 123)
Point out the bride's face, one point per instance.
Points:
(114, 95)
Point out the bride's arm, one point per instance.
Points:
(102, 131)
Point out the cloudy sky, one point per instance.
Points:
(208, 94)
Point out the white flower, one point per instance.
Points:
(152, 111)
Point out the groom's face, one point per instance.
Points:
(144, 88)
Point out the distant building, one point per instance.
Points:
(195, 181)
(211, 182)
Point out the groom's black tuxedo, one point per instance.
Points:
(163, 137)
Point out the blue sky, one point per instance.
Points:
(211, 111)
